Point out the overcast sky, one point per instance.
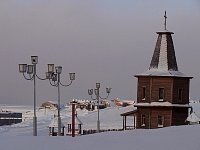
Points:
(106, 41)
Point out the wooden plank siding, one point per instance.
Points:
(161, 82)
(179, 116)
(152, 85)
(182, 83)
(146, 112)
(143, 82)
(151, 116)
(171, 85)
(165, 112)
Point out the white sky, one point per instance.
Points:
(102, 41)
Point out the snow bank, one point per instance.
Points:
(19, 136)
(174, 138)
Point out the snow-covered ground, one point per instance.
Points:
(19, 136)
(110, 119)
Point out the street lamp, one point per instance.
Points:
(30, 70)
(54, 79)
(96, 91)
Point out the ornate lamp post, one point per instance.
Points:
(96, 91)
(30, 70)
(54, 79)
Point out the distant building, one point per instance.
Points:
(162, 91)
(122, 103)
(9, 118)
(49, 104)
(90, 105)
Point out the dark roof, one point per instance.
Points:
(163, 62)
(164, 55)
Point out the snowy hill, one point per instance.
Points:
(174, 138)
(110, 118)
(19, 136)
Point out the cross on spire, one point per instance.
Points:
(165, 24)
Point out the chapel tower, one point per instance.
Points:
(162, 91)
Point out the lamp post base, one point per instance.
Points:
(98, 126)
(34, 126)
(59, 126)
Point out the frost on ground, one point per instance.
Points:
(19, 136)
(176, 138)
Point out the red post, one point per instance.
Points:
(73, 119)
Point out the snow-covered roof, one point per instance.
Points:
(54, 123)
(52, 102)
(160, 72)
(165, 31)
(193, 117)
(161, 104)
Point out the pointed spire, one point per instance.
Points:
(163, 62)
(164, 57)
(165, 24)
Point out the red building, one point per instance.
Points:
(162, 91)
